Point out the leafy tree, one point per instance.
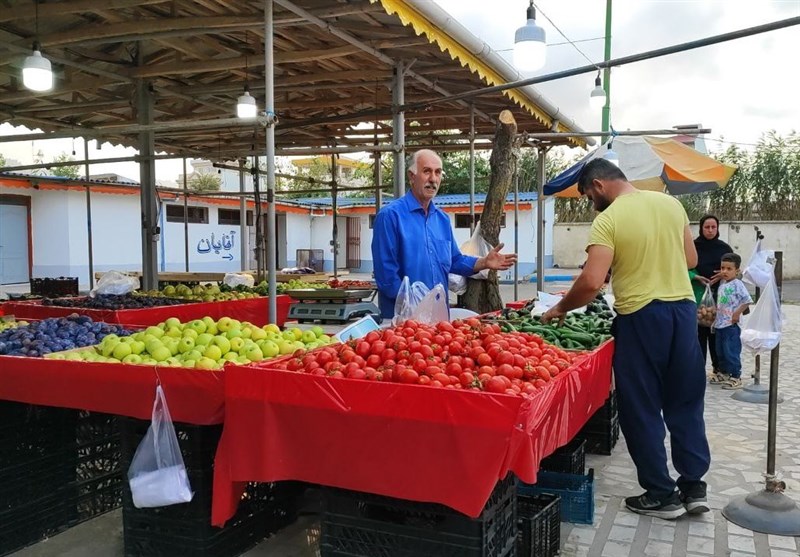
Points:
(2, 160)
(72, 172)
(206, 181)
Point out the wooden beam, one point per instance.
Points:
(56, 9)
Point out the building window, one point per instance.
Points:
(463, 220)
(372, 221)
(198, 215)
(232, 217)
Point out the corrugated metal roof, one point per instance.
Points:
(450, 200)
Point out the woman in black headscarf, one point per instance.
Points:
(710, 250)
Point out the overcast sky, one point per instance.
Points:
(739, 89)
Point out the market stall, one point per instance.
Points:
(378, 437)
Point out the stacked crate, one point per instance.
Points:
(185, 529)
(361, 524)
(601, 432)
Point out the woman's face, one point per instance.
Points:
(710, 229)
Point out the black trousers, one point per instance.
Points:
(708, 339)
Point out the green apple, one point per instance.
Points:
(189, 363)
(234, 333)
(171, 344)
(173, 322)
(298, 333)
(325, 339)
(132, 359)
(243, 360)
(285, 347)
(127, 340)
(223, 343)
(212, 352)
(203, 339)
(174, 332)
(317, 330)
(230, 356)
(270, 349)
(288, 335)
(308, 336)
(236, 343)
(191, 333)
(113, 361)
(185, 345)
(108, 345)
(121, 350)
(211, 325)
(247, 333)
(194, 354)
(137, 347)
(173, 361)
(161, 353)
(272, 328)
(312, 345)
(254, 354)
(224, 324)
(153, 344)
(155, 331)
(256, 333)
(197, 325)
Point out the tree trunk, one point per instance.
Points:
(483, 296)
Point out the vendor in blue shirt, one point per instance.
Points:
(412, 237)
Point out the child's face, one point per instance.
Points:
(728, 270)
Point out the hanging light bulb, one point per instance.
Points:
(597, 98)
(529, 44)
(246, 105)
(611, 155)
(37, 73)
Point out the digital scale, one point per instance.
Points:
(334, 305)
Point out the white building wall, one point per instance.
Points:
(298, 236)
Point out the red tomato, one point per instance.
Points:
(466, 379)
(454, 368)
(357, 373)
(442, 378)
(426, 351)
(519, 361)
(539, 383)
(505, 357)
(362, 349)
(420, 365)
(436, 384)
(455, 347)
(505, 370)
(424, 380)
(388, 354)
(409, 376)
(484, 359)
(337, 374)
(324, 357)
(374, 360)
(488, 370)
(359, 360)
(346, 356)
(351, 367)
(372, 336)
(433, 370)
(475, 352)
(377, 347)
(495, 385)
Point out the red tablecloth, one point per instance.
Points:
(193, 396)
(254, 310)
(405, 441)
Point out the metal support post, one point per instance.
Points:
(398, 130)
(269, 107)
(607, 74)
(185, 218)
(147, 188)
(88, 214)
(540, 178)
(243, 236)
(472, 170)
(335, 214)
(516, 233)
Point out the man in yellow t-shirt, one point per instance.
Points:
(644, 238)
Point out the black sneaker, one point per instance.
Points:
(695, 500)
(668, 509)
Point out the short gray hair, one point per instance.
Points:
(412, 166)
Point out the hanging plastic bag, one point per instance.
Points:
(707, 309)
(433, 308)
(456, 283)
(478, 247)
(758, 270)
(157, 475)
(408, 298)
(238, 279)
(761, 331)
(116, 283)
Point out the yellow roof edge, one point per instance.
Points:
(422, 26)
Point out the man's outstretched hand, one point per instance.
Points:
(496, 260)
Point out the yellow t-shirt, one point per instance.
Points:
(645, 230)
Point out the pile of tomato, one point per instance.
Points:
(464, 354)
(336, 283)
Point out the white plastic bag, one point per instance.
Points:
(761, 331)
(477, 246)
(456, 283)
(433, 308)
(116, 283)
(545, 301)
(408, 298)
(758, 271)
(157, 475)
(235, 279)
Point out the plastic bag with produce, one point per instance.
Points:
(115, 283)
(707, 309)
(761, 331)
(477, 246)
(409, 297)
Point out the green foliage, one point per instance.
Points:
(455, 165)
(207, 181)
(2, 160)
(72, 172)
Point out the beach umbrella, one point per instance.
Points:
(651, 163)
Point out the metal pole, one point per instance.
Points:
(378, 179)
(472, 170)
(398, 130)
(147, 181)
(269, 107)
(243, 236)
(540, 178)
(757, 373)
(89, 214)
(774, 361)
(516, 234)
(607, 72)
(185, 218)
(334, 212)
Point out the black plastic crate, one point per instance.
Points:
(28, 432)
(600, 439)
(31, 522)
(576, 492)
(54, 287)
(539, 525)
(569, 459)
(198, 443)
(606, 413)
(362, 524)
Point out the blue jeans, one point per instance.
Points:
(661, 384)
(729, 350)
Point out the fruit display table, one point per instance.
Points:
(254, 310)
(404, 441)
(194, 396)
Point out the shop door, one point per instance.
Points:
(353, 242)
(14, 248)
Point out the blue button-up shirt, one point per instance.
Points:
(407, 242)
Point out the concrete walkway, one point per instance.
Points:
(737, 433)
